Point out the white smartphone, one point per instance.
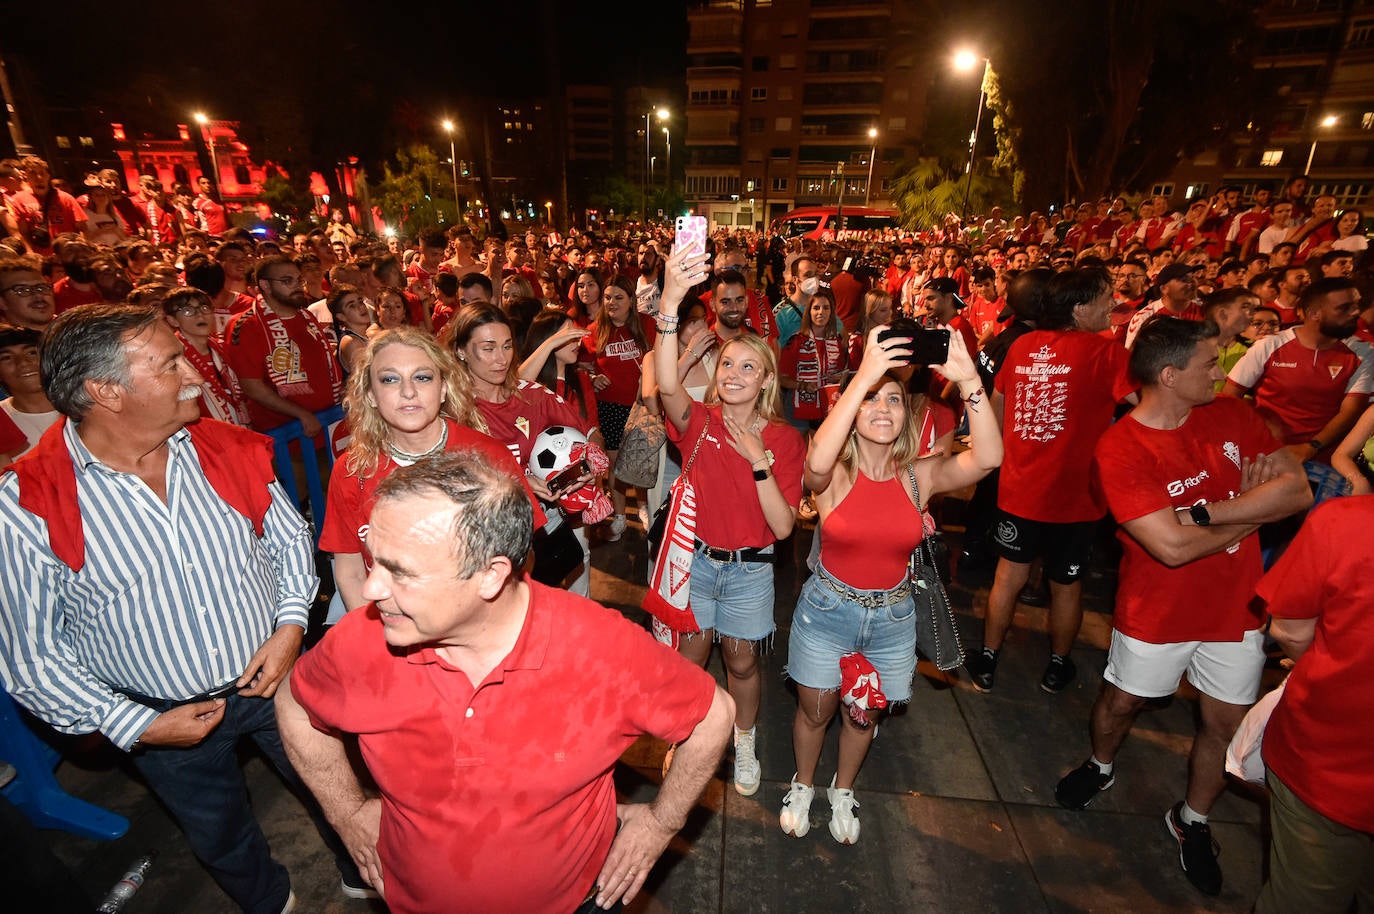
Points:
(691, 234)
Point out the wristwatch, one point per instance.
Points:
(761, 475)
(1315, 445)
(1200, 515)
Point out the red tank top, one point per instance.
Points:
(860, 550)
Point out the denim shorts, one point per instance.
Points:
(826, 626)
(734, 598)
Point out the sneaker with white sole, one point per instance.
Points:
(290, 902)
(360, 890)
(748, 773)
(844, 825)
(615, 528)
(795, 817)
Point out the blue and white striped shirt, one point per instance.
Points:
(173, 599)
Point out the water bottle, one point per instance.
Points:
(126, 887)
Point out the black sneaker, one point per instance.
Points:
(1077, 789)
(982, 669)
(1197, 851)
(1058, 674)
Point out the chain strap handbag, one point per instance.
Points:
(640, 446)
(937, 633)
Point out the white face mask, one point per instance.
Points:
(810, 285)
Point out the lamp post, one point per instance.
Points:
(548, 213)
(647, 177)
(1328, 122)
(965, 61)
(667, 162)
(453, 160)
(873, 136)
(209, 137)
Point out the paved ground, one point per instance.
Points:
(956, 801)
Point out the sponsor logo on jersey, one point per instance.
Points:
(1179, 486)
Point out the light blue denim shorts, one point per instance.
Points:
(827, 625)
(734, 598)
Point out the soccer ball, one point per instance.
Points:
(553, 449)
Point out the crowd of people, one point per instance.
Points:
(1197, 381)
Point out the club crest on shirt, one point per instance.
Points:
(523, 424)
(1335, 371)
(1232, 453)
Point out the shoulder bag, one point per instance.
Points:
(937, 634)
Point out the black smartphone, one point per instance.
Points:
(569, 475)
(928, 346)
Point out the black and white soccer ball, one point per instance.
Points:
(553, 449)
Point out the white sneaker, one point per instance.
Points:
(747, 770)
(795, 817)
(844, 825)
(615, 528)
(290, 902)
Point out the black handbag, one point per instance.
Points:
(557, 554)
(937, 633)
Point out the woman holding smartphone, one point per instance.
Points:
(747, 475)
(863, 463)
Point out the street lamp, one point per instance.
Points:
(209, 137)
(1328, 122)
(453, 159)
(644, 179)
(873, 136)
(667, 162)
(964, 62)
(548, 212)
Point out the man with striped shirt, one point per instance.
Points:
(155, 584)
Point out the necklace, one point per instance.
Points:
(407, 459)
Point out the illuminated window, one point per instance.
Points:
(1271, 157)
(63, 143)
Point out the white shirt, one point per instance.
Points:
(33, 425)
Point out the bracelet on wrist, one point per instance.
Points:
(666, 331)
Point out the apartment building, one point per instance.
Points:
(791, 102)
(1316, 57)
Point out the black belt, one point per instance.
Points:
(741, 556)
(162, 705)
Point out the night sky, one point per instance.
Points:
(357, 65)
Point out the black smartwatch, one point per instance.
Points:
(1200, 515)
(761, 475)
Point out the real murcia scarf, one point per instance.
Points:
(284, 357)
(222, 392)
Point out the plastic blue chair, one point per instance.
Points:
(36, 792)
(282, 437)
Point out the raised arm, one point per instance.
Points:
(985, 431)
(530, 368)
(1343, 458)
(682, 274)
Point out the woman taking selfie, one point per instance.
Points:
(863, 464)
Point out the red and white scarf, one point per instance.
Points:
(221, 390)
(280, 358)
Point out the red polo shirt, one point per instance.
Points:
(475, 780)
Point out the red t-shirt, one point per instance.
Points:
(68, 296)
(1191, 236)
(212, 216)
(1061, 387)
(473, 778)
(223, 316)
(849, 296)
(1322, 234)
(1141, 470)
(805, 361)
(728, 512)
(351, 499)
(1246, 227)
(982, 316)
(525, 413)
(308, 380)
(1193, 312)
(758, 317)
(1298, 388)
(620, 360)
(1315, 741)
(62, 214)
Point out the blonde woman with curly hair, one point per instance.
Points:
(407, 400)
(748, 479)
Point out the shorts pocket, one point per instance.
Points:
(817, 596)
(902, 611)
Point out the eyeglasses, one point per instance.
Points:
(28, 290)
(193, 310)
(288, 281)
(1261, 324)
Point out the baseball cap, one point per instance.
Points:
(1175, 271)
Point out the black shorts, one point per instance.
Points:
(1066, 548)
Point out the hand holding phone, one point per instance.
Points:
(928, 347)
(690, 234)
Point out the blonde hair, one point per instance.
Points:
(907, 447)
(368, 431)
(769, 402)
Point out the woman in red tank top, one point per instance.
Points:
(862, 466)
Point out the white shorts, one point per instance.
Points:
(1228, 671)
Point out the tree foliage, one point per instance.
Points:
(928, 191)
(1106, 95)
(416, 191)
